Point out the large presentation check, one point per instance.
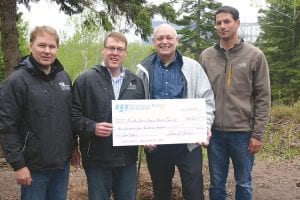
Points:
(164, 121)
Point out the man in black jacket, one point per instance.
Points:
(109, 169)
(35, 120)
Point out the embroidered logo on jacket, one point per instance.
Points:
(64, 86)
(131, 86)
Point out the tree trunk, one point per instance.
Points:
(9, 34)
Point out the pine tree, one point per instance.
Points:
(279, 39)
(196, 24)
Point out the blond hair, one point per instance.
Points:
(40, 30)
(117, 36)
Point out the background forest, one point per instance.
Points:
(279, 39)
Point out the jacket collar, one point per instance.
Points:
(29, 64)
(149, 61)
(235, 48)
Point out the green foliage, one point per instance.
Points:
(23, 39)
(70, 7)
(280, 41)
(143, 22)
(84, 50)
(80, 52)
(136, 53)
(282, 137)
(166, 10)
(127, 15)
(116, 15)
(197, 22)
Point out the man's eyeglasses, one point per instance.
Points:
(119, 50)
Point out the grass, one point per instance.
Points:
(282, 136)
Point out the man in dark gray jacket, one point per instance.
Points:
(35, 120)
(109, 169)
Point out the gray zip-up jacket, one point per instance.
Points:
(240, 81)
(197, 84)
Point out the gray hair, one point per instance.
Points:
(165, 25)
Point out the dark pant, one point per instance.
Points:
(102, 181)
(161, 165)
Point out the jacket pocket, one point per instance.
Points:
(31, 147)
(25, 141)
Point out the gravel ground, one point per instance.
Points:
(273, 180)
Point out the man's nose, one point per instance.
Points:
(47, 49)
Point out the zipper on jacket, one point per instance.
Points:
(229, 76)
(88, 150)
(25, 142)
(143, 69)
(224, 89)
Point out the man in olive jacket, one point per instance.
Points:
(239, 76)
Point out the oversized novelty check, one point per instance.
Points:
(163, 121)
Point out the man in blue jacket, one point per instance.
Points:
(35, 120)
(167, 74)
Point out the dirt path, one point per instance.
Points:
(273, 180)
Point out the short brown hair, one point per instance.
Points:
(228, 9)
(40, 30)
(117, 36)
